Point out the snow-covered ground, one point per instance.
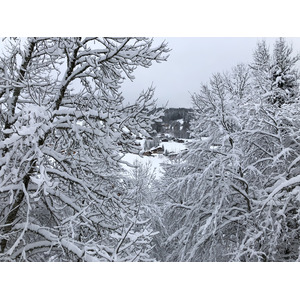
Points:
(155, 160)
(173, 146)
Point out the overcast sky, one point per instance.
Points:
(191, 62)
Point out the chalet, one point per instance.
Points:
(158, 150)
(178, 140)
(147, 153)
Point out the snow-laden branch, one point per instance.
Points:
(48, 235)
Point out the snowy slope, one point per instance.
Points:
(155, 160)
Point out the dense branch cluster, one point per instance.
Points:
(64, 129)
(234, 196)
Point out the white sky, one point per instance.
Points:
(192, 62)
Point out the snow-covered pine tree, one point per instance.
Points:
(276, 74)
(64, 127)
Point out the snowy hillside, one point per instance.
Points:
(154, 161)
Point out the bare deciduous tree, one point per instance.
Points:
(235, 193)
(64, 128)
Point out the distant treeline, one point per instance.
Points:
(175, 121)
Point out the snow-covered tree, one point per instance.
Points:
(270, 142)
(141, 189)
(276, 75)
(64, 129)
(234, 195)
(206, 194)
